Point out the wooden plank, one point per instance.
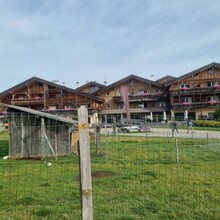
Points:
(85, 164)
(50, 146)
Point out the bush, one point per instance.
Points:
(208, 123)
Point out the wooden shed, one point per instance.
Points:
(35, 134)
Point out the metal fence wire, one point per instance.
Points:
(159, 173)
(39, 173)
(154, 173)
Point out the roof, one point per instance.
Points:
(41, 114)
(36, 79)
(129, 78)
(209, 66)
(91, 83)
(165, 79)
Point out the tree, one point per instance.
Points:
(216, 114)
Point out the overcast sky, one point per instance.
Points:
(105, 40)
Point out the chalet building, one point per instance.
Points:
(42, 95)
(192, 95)
(92, 88)
(196, 94)
(147, 100)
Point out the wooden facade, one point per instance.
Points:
(145, 98)
(198, 92)
(42, 95)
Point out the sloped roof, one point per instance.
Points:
(206, 67)
(41, 114)
(129, 78)
(166, 79)
(91, 83)
(36, 79)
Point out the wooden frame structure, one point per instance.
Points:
(35, 134)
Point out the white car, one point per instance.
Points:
(132, 128)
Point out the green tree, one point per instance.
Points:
(216, 114)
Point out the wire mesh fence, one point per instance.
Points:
(155, 173)
(39, 173)
(158, 174)
(38, 189)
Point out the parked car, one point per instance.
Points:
(126, 129)
(106, 125)
(145, 129)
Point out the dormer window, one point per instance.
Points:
(93, 89)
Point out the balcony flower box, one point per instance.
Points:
(212, 102)
(144, 93)
(37, 97)
(67, 109)
(217, 86)
(158, 94)
(186, 103)
(184, 88)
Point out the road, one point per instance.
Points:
(166, 132)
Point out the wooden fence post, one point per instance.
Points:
(97, 140)
(85, 164)
(177, 151)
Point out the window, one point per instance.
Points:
(142, 92)
(141, 105)
(211, 98)
(210, 84)
(107, 106)
(160, 104)
(185, 99)
(184, 86)
(107, 94)
(121, 106)
(93, 89)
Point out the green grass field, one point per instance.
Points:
(139, 179)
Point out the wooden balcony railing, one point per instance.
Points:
(33, 101)
(195, 105)
(140, 98)
(195, 91)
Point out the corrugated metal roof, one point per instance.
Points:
(41, 114)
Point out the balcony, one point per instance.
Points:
(194, 91)
(187, 105)
(26, 101)
(140, 98)
(135, 110)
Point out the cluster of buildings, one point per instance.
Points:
(193, 95)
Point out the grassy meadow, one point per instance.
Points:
(134, 178)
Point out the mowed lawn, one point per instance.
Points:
(133, 178)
